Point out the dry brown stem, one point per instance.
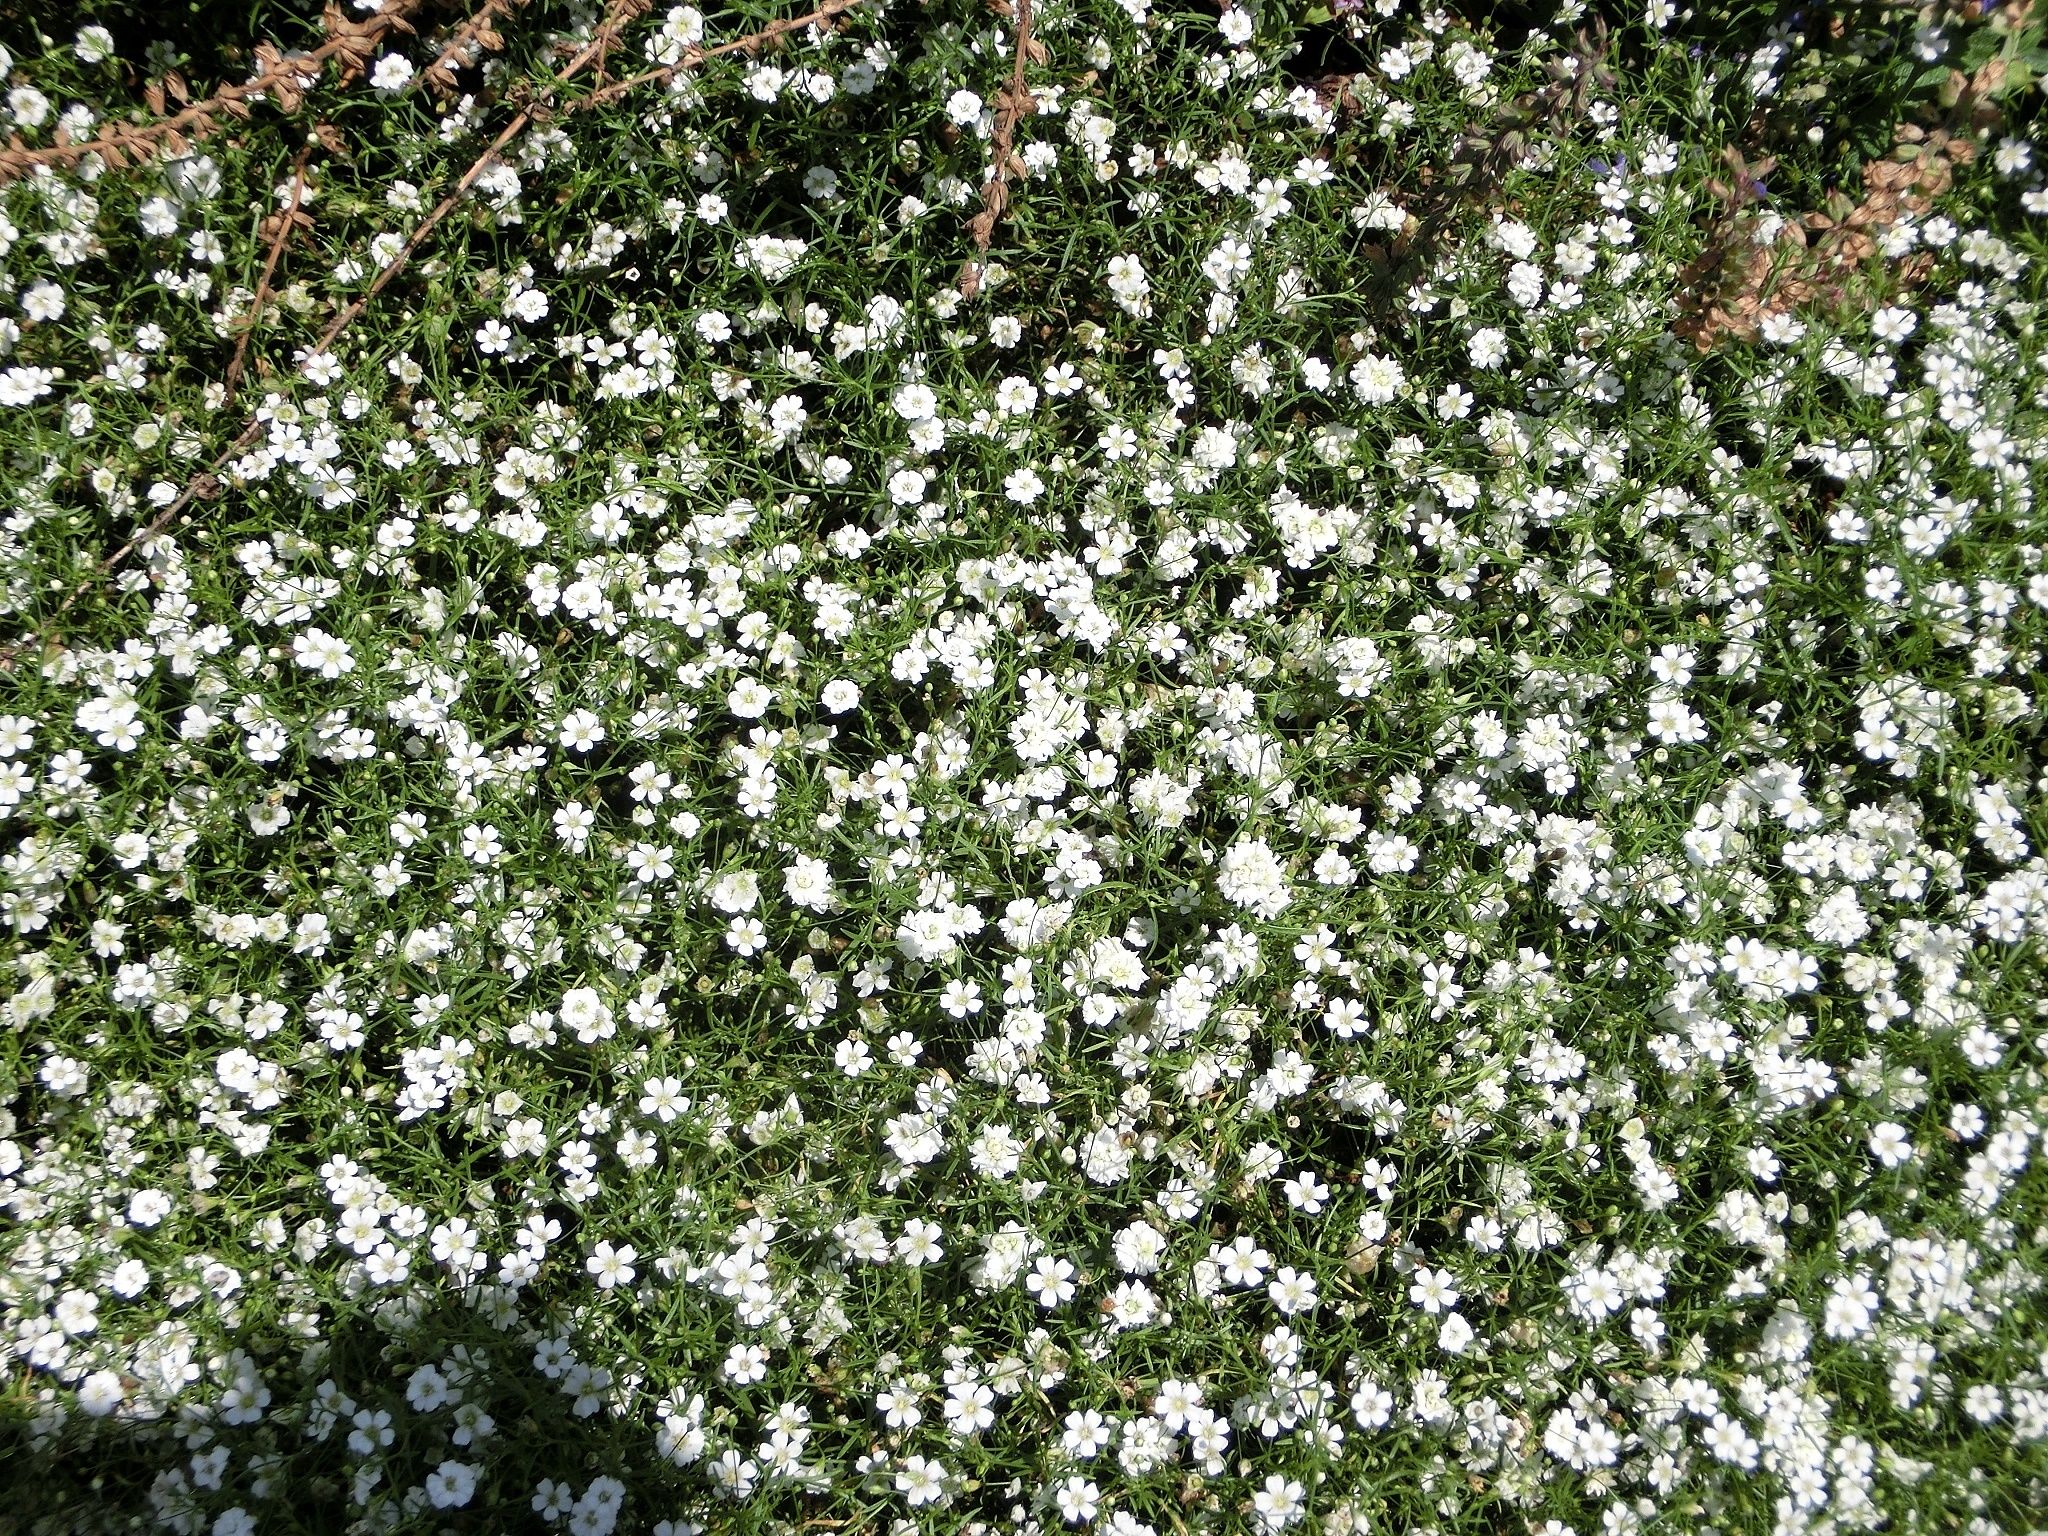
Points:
(477, 36)
(1015, 104)
(696, 56)
(351, 42)
(290, 218)
(619, 14)
(1821, 260)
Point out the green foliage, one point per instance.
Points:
(1347, 839)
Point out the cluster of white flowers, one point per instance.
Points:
(718, 876)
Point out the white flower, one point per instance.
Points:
(1890, 1144)
(1488, 347)
(115, 721)
(1252, 877)
(1292, 1292)
(1433, 1290)
(926, 936)
(1051, 1281)
(30, 107)
(1129, 286)
(786, 417)
(964, 108)
(43, 301)
(1215, 448)
(581, 730)
(808, 884)
(915, 402)
(100, 1394)
(451, 1485)
(919, 1245)
(317, 651)
(1851, 1304)
(682, 30)
(1278, 1504)
(1015, 396)
(24, 385)
(735, 891)
(1077, 1499)
(906, 487)
(612, 1266)
(583, 1011)
(1672, 723)
(392, 73)
(750, 698)
(921, 1482)
(1378, 380)
(1455, 1336)
(770, 255)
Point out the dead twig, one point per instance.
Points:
(477, 35)
(696, 56)
(351, 41)
(207, 482)
(1015, 104)
(621, 12)
(285, 222)
(1819, 260)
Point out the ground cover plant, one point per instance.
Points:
(1022, 767)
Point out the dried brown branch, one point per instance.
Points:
(285, 223)
(476, 36)
(1821, 260)
(621, 12)
(283, 78)
(696, 56)
(1015, 104)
